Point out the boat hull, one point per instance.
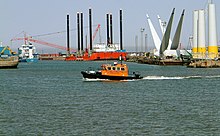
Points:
(97, 75)
(32, 60)
(29, 60)
(98, 56)
(11, 62)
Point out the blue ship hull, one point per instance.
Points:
(32, 60)
(29, 60)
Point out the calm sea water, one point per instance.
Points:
(50, 98)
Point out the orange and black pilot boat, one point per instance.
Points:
(111, 72)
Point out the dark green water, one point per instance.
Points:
(50, 98)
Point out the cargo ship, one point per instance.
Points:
(8, 58)
(100, 52)
(27, 53)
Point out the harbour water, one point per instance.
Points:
(50, 98)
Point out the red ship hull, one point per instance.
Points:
(98, 56)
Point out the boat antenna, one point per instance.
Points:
(120, 58)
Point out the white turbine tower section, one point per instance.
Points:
(195, 31)
(201, 33)
(212, 32)
(162, 25)
(155, 36)
(166, 37)
(176, 38)
(163, 28)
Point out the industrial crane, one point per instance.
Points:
(30, 39)
(94, 34)
(43, 42)
(96, 30)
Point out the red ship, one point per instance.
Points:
(101, 51)
(97, 56)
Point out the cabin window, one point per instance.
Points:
(109, 68)
(113, 68)
(118, 68)
(122, 69)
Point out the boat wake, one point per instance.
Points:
(161, 78)
(178, 77)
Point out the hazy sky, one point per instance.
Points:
(38, 17)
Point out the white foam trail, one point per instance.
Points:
(161, 78)
(217, 76)
(176, 78)
(192, 77)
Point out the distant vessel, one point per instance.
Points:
(8, 58)
(108, 50)
(101, 51)
(27, 53)
(111, 72)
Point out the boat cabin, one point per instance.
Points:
(6, 51)
(114, 70)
